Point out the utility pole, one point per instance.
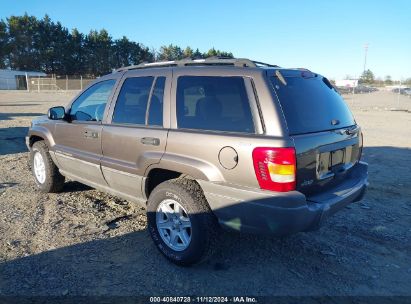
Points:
(365, 56)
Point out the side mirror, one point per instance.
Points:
(56, 113)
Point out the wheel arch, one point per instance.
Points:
(175, 167)
(40, 133)
(156, 176)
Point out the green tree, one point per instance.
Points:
(170, 52)
(188, 52)
(367, 77)
(97, 46)
(126, 52)
(28, 43)
(213, 52)
(225, 54)
(197, 54)
(23, 31)
(123, 52)
(76, 60)
(140, 53)
(4, 44)
(388, 80)
(53, 45)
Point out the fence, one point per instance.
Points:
(57, 83)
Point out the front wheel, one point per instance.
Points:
(45, 172)
(180, 221)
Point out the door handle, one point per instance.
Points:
(150, 141)
(90, 134)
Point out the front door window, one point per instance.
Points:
(91, 104)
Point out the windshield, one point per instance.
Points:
(309, 102)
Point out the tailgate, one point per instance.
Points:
(326, 137)
(325, 158)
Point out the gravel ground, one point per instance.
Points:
(85, 242)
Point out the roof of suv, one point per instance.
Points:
(210, 61)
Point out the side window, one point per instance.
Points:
(91, 104)
(131, 105)
(213, 103)
(155, 112)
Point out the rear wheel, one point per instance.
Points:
(180, 221)
(45, 172)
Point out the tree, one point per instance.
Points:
(4, 44)
(388, 80)
(97, 46)
(77, 56)
(197, 54)
(123, 52)
(367, 77)
(213, 52)
(225, 54)
(28, 43)
(53, 44)
(126, 52)
(170, 52)
(23, 31)
(188, 52)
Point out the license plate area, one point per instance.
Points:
(337, 157)
(331, 162)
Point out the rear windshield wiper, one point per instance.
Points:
(280, 77)
(328, 83)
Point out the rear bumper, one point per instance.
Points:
(259, 211)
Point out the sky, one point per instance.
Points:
(327, 37)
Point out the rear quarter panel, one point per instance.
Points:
(201, 149)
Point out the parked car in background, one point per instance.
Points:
(360, 89)
(344, 90)
(401, 90)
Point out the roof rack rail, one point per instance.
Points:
(209, 61)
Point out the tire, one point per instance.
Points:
(52, 181)
(204, 227)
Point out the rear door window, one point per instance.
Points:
(131, 105)
(310, 103)
(213, 103)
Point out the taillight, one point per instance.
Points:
(361, 143)
(275, 168)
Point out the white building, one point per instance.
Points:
(16, 80)
(348, 83)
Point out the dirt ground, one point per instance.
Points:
(84, 242)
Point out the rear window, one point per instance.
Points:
(310, 103)
(213, 103)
